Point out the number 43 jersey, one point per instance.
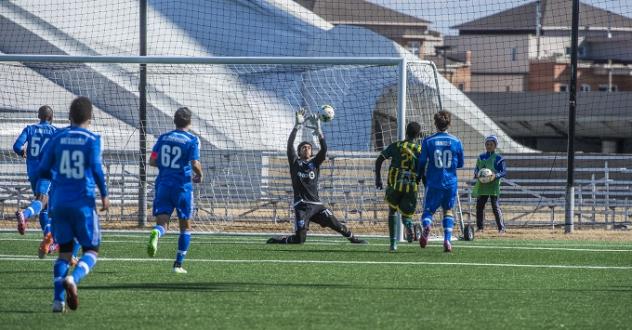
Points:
(173, 153)
(73, 157)
(441, 155)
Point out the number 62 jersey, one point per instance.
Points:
(173, 153)
(441, 155)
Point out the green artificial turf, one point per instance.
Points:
(241, 283)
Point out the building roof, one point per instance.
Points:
(359, 12)
(556, 15)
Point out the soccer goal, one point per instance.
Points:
(243, 113)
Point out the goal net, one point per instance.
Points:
(243, 114)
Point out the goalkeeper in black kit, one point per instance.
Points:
(304, 171)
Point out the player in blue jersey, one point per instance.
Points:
(30, 145)
(73, 162)
(441, 155)
(177, 156)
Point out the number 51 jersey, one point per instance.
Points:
(442, 153)
(173, 153)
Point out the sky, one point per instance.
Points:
(446, 13)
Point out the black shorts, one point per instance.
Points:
(305, 213)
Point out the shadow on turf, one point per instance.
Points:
(13, 311)
(209, 286)
(340, 251)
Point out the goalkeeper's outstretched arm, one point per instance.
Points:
(291, 152)
(322, 153)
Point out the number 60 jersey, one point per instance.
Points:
(442, 153)
(174, 152)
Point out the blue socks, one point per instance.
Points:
(33, 209)
(426, 219)
(44, 221)
(60, 270)
(183, 245)
(75, 248)
(448, 224)
(160, 229)
(85, 264)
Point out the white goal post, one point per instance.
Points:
(243, 112)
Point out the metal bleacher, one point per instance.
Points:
(533, 194)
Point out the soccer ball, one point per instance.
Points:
(327, 113)
(485, 175)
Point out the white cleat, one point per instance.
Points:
(179, 270)
(59, 306)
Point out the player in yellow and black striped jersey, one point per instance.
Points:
(402, 184)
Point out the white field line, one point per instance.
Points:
(4, 257)
(258, 241)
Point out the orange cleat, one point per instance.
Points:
(45, 245)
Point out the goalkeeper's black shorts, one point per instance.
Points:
(305, 213)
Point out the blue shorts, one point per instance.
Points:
(41, 186)
(435, 198)
(167, 198)
(79, 221)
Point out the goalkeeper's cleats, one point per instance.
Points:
(152, 246)
(177, 268)
(425, 235)
(277, 240)
(355, 240)
(72, 299)
(410, 235)
(45, 246)
(59, 306)
(21, 222)
(447, 246)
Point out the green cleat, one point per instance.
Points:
(152, 246)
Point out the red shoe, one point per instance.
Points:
(53, 248)
(21, 222)
(45, 245)
(423, 240)
(447, 246)
(72, 300)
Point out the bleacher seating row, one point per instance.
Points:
(531, 189)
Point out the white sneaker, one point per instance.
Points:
(179, 270)
(59, 306)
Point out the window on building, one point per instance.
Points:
(604, 88)
(414, 47)
(563, 88)
(585, 88)
(514, 54)
(581, 51)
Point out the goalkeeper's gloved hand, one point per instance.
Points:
(299, 118)
(315, 119)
